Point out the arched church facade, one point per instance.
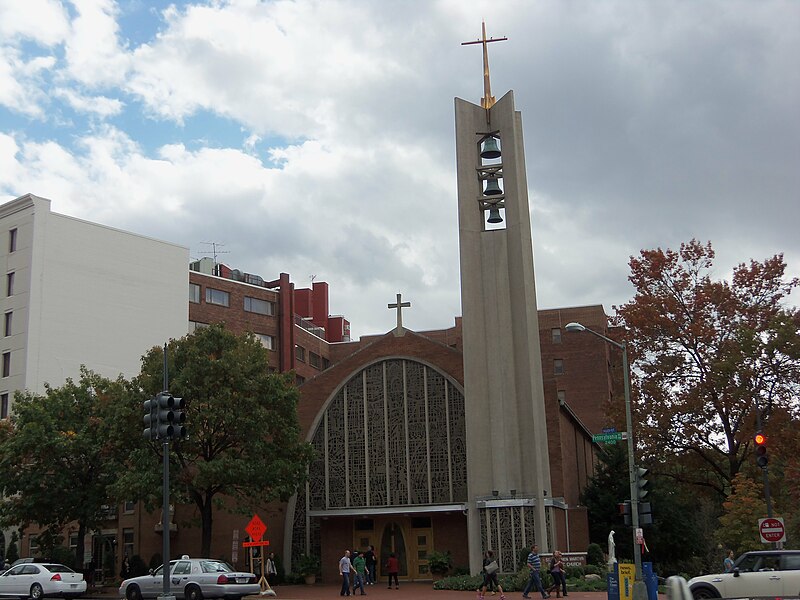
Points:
(389, 435)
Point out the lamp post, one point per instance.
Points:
(639, 589)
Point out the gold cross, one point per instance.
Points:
(488, 100)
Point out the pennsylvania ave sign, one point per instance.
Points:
(772, 530)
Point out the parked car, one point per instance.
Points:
(774, 573)
(193, 579)
(37, 580)
(35, 559)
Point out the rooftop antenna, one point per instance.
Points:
(215, 249)
(312, 278)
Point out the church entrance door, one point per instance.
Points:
(409, 538)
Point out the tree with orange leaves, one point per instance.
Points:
(710, 359)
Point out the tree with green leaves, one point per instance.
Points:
(244, 446)
(60, 455)
(739, 521)
(680, 530)
(711, 359)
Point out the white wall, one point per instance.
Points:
(97, 296)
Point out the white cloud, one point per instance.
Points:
(43, 21)
(98, 105)
(20, 85)
(645, 125)
(93, 54)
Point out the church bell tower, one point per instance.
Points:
(507, 450)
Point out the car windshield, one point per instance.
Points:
(159, 569)
(58, 568)
(215, 566)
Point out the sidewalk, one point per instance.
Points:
(417, 591)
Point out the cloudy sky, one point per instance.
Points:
(317, 137)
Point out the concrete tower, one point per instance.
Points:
(507, 453)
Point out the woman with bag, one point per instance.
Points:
(557, 572)
(490, 569)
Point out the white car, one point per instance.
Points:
(37, 580)
(193, 579)
(774, 573)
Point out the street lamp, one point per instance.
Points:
(639, 589)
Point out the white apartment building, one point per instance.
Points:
(78, 293)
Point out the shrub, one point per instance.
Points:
(308, 565)
(594, 555)
(138, 567)
(574, 572)
(156, 561)
(12, 553)
(439, 563)
(595, 569)
(63, 555)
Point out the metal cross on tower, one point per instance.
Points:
(488, 100)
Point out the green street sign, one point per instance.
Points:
(610, 438)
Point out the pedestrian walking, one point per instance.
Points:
(360, 566)
(393, 568)
(372, 565)
(727, 564)
(557, 573)
(344, 573)
(534, 579)
(490, 582)
(272, 570)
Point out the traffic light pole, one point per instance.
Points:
(165, 520)
(764, 471)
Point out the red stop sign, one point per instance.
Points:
(771, 530)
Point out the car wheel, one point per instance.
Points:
(192, 592)
(37, 592)
(133, 592)
(704, 593)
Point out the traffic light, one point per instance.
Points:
(179, 422)
(625, 510)
(165, 417)
(150, 419)
(641, 483)
(761, 450)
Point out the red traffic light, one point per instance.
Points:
(760, 439)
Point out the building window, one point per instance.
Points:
(73, 542)
(217, 297)
(128, 506)
(10, 284)
(195, 325)
(315, 360)
(299, 380)
(558, 366)
(267, 340)
(4, 405)
(7, 328)
(562, 397)
(127, 542)
(262, 307)
(556, 333)
(6, 364)
(194, 293)
(300, 353)
(33, 546)
(326, 364)
(12, 240)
